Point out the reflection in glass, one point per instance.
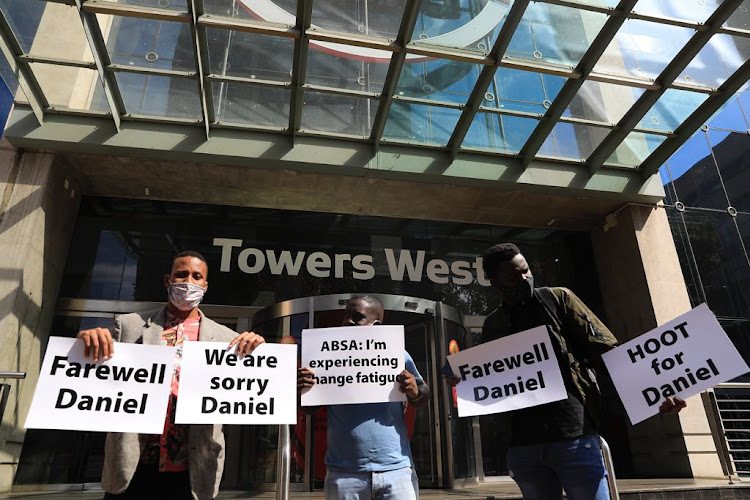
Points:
(695, 176)
(160, 95)
(24, 17)
(379, 18)
(739, 333)
(574, 141)
(685, 254)
(251, 104)
(731, 153)
(236, 53)
(724, 271)
(461, 24)
(337, 66)
(697, 11)
(717, 60)
(440, 80)
(602, 102)
(178, 5)
(523, 90)
(672, 108)
(499, 132)
(730, 116)
(424, 124)
(635, 148)
(741, 17)
(338, 113)
(666, 181)
(555, 34)
(68, 87)
(642, 49)
(147, 43)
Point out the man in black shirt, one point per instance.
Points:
(554, 446)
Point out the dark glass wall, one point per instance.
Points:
(708, 204)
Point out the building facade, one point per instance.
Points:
(316, 150)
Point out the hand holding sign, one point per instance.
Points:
(684, 357)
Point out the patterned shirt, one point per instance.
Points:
(170, 449)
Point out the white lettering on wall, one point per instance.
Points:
(402, 264)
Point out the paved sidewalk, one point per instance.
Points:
(635, 489)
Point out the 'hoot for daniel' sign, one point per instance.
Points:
(681, 358)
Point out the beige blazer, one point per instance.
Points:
(122, 451)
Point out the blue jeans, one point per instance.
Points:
(543, 470)
(399, 484)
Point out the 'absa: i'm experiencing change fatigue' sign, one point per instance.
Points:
(354, 364)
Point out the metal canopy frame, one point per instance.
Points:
(400, 47)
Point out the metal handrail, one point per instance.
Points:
(5, 389)
(607, 454)
(283, 461)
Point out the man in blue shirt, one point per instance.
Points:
(369, 456)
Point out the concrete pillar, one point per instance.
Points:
(643, 287)
(38, 206)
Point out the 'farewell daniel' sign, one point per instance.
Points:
(506, 374)
(127, 393)
(681, 358)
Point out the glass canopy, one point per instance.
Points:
(596, 83)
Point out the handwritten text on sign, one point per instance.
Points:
(681, 358)
(127, 393)
(506, 374)
(353, 364)
(219, 387)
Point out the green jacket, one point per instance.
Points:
(581, 335)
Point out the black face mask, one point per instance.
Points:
(520, 293)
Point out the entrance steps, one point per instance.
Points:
(630, 489)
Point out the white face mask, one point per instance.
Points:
(185, 296)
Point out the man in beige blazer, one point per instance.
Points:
(186, 461)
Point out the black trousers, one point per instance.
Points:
(148, 483)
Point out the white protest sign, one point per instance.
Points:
(517, 371)
(126, 393)
(219, 387)
(681, 358)
(353, 364)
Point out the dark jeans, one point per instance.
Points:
(148, 483)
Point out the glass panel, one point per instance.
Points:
(666, 181)
(685, 254)
(739, 334)
(642, 49)
(731, 151)
(338, 113)
(741, 17)
(160, 95)
(555, 34)
(603, 102)
(47, 29)
(523, 90)
(695, 176)
(722, 56)
(672, 108)
(689, 10)
(146, 43)
(569, 140)
(178, 5)
(68, 87)
(236, 53)
(374, 17)
(730, 116)
(597, 3)
(460, 24)
(722, 264)
(63, 457)
(440, 80)
(251, 104)
(499, 132)
(418, 123)
(24, 17)
(743, 223)
(635, 148)
(346, 67)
